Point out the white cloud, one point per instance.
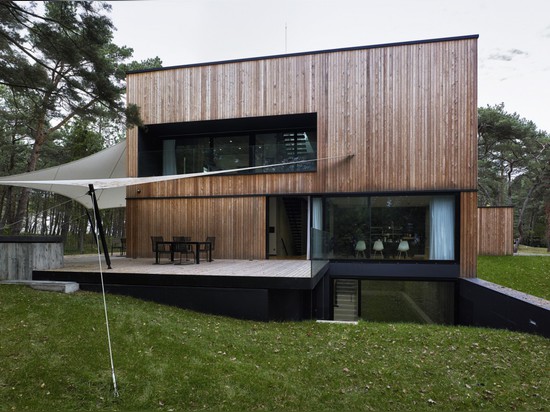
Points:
(508, 55)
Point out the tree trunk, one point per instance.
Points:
(6, 208)
(22, 204)
(521, 213)
(82, 225)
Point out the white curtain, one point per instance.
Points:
(442, 228)
(317, 227)
(169, 157)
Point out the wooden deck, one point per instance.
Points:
(230, 268)
(247, 289)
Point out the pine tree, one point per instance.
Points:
(59, 59)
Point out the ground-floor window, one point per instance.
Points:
(419, 227)
(394, 300)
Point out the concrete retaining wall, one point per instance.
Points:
(20, 255)
(486, 304)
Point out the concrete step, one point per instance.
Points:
(47, 285)
(346, 300)
(347, 309)
(346, 289)
(344, 316)
(342, 296)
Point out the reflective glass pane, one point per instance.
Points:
(388, 228)
(346, 223)
(230, 153)
(399, 227)
(193, 155)
(407, 301)
(228, 144)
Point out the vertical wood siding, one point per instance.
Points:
(495, 230)
(239, 224)
(407, 113)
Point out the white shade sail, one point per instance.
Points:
(72, 179)
(106, 171)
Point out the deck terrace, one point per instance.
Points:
(218, 267)
(248, 289)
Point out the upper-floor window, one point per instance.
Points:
(289, 141)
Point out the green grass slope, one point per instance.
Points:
(528, 274)
(54, 356)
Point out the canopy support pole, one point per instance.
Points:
(100, 226)
(92, 225)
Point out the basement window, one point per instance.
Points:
(411, 301)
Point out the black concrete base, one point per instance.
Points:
(478, 303)
(485, 304)
(254, 298)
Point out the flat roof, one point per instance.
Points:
(277, 56)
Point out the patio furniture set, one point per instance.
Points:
(184, 246)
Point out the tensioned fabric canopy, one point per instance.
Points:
(106, 171)
(72, 179)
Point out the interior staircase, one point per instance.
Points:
(294, 211)
(346, 299)
(295, 144)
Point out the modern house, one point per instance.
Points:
(361, 161)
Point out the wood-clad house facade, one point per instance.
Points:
(392, 128)
(495, 230)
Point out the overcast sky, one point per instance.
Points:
(514, 42)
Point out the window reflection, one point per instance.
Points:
(194, 154)
(228, 144)
(387, 228)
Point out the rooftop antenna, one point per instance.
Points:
(286, 41)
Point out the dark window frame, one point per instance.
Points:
(151, 137)
(370, 195)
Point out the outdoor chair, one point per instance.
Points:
(204, 248)
(120, 246)
(182, 248)
(163, 249)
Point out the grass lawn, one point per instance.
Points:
(523, 249)
(528, 274)
(54, 356)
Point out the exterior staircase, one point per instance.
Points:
(346, 299)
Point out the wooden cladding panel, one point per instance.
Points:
(495, 231)
(468, 235)
(407, 113)
(239, 224)
(230, 90)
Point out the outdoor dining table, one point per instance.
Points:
(173, 249)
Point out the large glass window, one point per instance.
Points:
(420, 227)
(230, 144)
(414, 301)
(407, 301)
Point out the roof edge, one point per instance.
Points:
(278, 56)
